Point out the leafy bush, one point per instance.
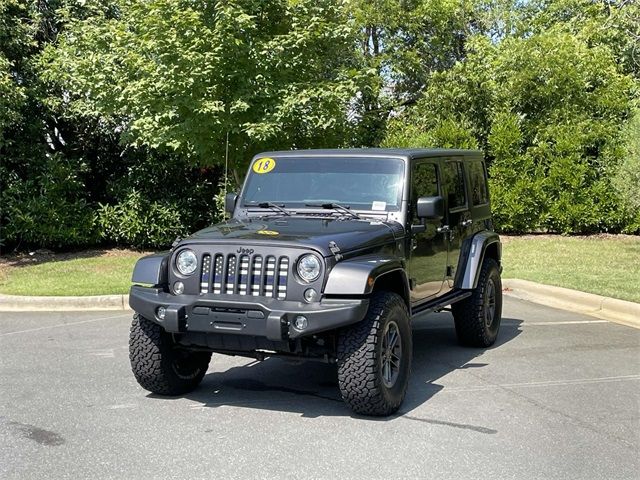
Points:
(449, 133)
(169, 179)
(140, 222)
(627, 178)
(157, 198)
(547, 110)
(48, 208)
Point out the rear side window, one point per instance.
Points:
(454, 183)
(478, 180)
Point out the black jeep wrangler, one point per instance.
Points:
(328, 254)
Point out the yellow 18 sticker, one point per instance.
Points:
(264, 165)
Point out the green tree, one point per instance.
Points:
(53, 166)
(547, 109)
(400, 44)
(182, 74)
(627, 177)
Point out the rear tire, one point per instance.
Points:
(374, 357)
(477, 318)
(158, 365)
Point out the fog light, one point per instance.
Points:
(310, 295)
(162, 312)
(300, 323)
(178, 288)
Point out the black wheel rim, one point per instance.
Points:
(184, 365)
(391, 354)
(490, 303)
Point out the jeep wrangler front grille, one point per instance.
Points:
(245, 275)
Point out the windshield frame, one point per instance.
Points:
(252, 206)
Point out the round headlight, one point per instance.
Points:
(309, 267)
(187, 262)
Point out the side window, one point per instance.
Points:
(425, 181)
(453, 179)
(478, 180)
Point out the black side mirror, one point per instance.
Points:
(230, 200)
(430, 208)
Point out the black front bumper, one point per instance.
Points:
(244, 315)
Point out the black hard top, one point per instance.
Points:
(405, 153)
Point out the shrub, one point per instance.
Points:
(140, 222)
(547, 109)
(626, 179)
(155, 199)
(47, 209)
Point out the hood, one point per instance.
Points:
(316, 233)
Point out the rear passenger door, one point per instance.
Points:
(458, 218)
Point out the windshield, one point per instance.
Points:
(355, 182)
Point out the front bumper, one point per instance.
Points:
(243, 314)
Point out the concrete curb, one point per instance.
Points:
(612, 309)
(18, 303)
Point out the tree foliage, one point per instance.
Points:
(547, 106)
(115, 114)
(627, 177)
(180, 75)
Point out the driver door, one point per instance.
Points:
(428, 248)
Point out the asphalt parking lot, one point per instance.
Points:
(557, 397)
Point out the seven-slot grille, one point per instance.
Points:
(245, 275)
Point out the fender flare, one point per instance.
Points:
(152, 269)
(474, 256)
(358, 276)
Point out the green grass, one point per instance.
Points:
(95, 275)
(607, 265)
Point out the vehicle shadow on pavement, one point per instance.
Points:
(311, 388)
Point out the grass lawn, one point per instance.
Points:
(608, 265)
(605, 264)
(94, 272)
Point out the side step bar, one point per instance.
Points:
(441, 302)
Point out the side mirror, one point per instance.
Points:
(230, 200)
(430, 208)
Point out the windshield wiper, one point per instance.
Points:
(334, 206)
(272, 205)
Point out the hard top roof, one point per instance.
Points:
(406, 153)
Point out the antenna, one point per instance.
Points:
(226, 164)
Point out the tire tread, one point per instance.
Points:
(151, 353)
(357, 363)
(467, 314)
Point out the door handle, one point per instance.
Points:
(467, 223)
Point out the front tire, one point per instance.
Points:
(477, 318)
(374, 357)
(158, 365)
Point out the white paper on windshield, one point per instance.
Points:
(379, 205)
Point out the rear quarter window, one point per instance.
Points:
(478, 182)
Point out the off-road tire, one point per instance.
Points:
(158, 366)
(360, 357)
(470, 314)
